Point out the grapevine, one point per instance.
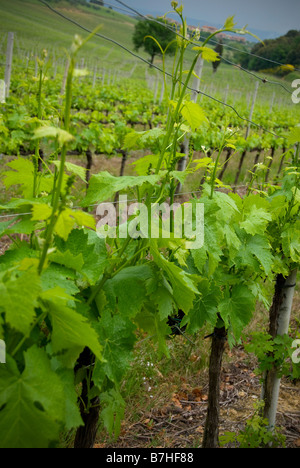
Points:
(73, 302)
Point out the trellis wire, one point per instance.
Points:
(194, 192)
(157, 68)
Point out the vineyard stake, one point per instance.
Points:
(280, 314)
(252, 109)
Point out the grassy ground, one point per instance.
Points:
(37, 27)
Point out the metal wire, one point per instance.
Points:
(16, 215)
(158, 68)
(211, 40)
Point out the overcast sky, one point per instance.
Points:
(265, 15)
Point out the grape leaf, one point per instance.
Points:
(23, 226)
(236, 308)
(91, 247)
(68, 219)
(58, 275)
(207, 54)
(184, 289)
(256, 221)
(254, 251)
(19, 292)
(113, 412)
(71, 331)
(30, 413)
(67, 259)
(291, 242)
(118, 338)
(74, 169)
(23, 175)
(104, 185)
(193, 114)
(127, 291)
(61, 135)
(205, 308)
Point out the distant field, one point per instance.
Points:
(37, 27)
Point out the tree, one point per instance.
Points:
(219, 50)
(163, 35)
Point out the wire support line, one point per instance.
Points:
(169, 27)
(263, 80)
(159, 69)
(18, 215)
(210, 40)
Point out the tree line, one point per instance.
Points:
(284, 49)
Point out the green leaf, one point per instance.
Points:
(22, 226)
(142, 165)
(113, 412)
(91, 247)
(56, 275)
(67, 259)
(41, 211)
(23, 175)
(64, 225)
(104, 185)
(205, 309)
(261, 249)
(71, 331)
(68, 219)
(184, 289)
(237, 308)
(49, 132)
(229, 23)
(253, 252)
(30, 413)
(19, 292)
(256, 221)
(72, 413)
(118, 338)
(126, 291)
(294, 136)
(193, 114)
(161, 296)
(74, 169)
(208, 54)
(291, 242)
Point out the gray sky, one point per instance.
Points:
(265, 15)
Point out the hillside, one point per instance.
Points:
(37, 27)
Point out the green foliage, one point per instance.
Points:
(146, 30)
(276, 352)
(256, 434)
(284, 49)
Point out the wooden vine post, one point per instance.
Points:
(247, 133)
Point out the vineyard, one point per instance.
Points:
(119, 335)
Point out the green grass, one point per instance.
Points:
(38, 28)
